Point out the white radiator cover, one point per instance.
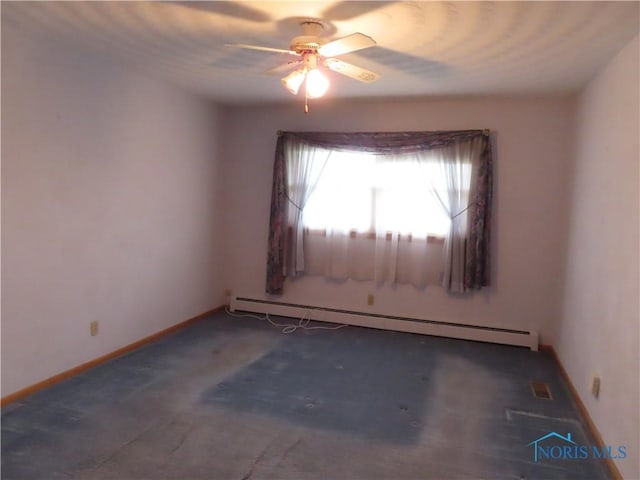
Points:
(504, 336)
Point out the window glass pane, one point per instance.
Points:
(364, 192)
(342, 198)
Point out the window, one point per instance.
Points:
(363, 192)
(398, 188)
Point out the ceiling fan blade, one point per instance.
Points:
(228, 9)
(350, 70)
(350, 43)
(285, 67)
(348, 10)
(263, 49)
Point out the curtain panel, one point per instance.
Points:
(466, 254)
(276, 265)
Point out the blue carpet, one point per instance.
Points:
(234, 398)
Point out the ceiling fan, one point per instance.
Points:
(314, 52)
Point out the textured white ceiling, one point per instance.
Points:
(424, 48)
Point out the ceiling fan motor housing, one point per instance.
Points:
(305, 43)
(310, 39)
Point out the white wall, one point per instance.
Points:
(110, 206)
(531, 168)
(599, 327)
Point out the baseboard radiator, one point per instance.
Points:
(504, 336)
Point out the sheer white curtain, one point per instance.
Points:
(304, 166)
(338, 219)
(406, 220)
(450, 186)
(372, 217)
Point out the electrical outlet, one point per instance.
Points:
(370, 299)
(94, 328)
(595, 386)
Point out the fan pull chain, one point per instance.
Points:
(306, 100)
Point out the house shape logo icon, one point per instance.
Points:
(545, 437)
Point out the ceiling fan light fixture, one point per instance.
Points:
(317, 84)
(293, 81)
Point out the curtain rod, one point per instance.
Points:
(486, 132)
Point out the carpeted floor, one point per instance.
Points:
(234, 398)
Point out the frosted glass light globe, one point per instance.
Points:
(317, 84)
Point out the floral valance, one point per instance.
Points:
(383, 142)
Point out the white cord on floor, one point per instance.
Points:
(303, 323)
